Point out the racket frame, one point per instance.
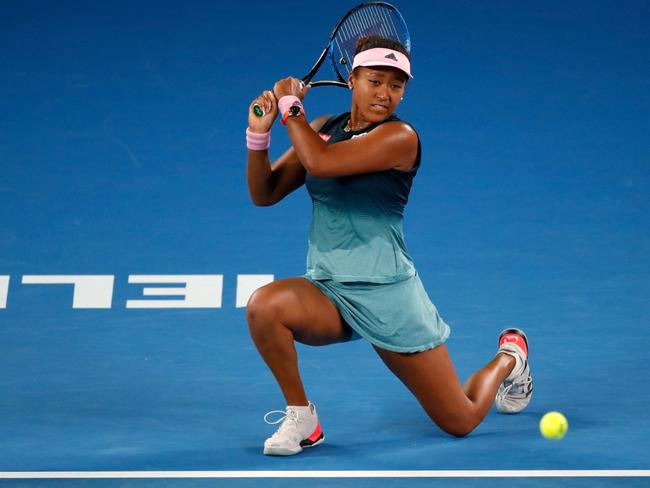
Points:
(327, 52)
(330, 46)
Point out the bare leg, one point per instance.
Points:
(480, 387)
(291, 310)
(431, 376)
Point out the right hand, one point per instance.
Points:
(269, 105)
(291, 86)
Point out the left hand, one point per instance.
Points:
(269, 105)
(290, 86)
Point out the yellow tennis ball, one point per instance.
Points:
(553, 425)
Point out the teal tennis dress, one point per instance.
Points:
(357, 254)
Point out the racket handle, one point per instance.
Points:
(259, 112)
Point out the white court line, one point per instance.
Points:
(329, 474)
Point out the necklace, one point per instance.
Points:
(348, 127)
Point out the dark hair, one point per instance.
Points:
(371, 42)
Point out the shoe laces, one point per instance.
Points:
(289, 419)
(520, 387)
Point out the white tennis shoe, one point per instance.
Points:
(300, 428)
(517, 389)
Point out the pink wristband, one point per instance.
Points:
(285, 103)
(256, 141)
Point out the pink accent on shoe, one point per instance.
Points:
(516, 339)
(316, 434)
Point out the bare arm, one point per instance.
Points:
(392, 145)
(269, 183)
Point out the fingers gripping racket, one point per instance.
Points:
(368, 19)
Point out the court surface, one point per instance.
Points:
(122, 169)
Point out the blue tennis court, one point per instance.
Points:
(129, 245)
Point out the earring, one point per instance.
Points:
(402, 98)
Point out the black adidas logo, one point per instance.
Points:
(391, 56)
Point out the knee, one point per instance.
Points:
(262, 311)
(458, 430)
(459, 426)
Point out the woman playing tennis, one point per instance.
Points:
(358, 168)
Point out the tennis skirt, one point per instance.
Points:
(397, 316)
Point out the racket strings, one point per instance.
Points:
(366, 21)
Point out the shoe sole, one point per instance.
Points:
(514, 330)
(282, 451)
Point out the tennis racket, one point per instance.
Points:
(367, 19)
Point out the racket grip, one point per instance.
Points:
(259, 112)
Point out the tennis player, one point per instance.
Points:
(358, 168)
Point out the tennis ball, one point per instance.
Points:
(553, 425)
